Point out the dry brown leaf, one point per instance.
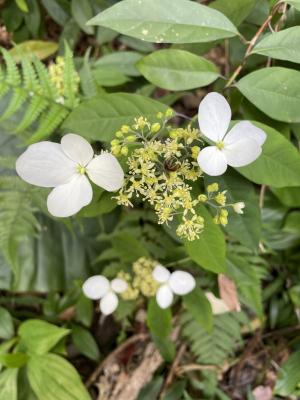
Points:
(228, 293)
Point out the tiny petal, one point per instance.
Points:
(109, 303)
(212, 161)
(182, 282)
(164, 296)
(245, 130)
(214, 116)
(77, 148)
(45, 164)
(242, 152)
(66, 200)
(218, 305)
(161, 274)
(106, 172)
(95, 287)
(238, 207)
(119, 285)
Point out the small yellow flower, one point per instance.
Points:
(220, 198)
(213, 187)
(202, 198)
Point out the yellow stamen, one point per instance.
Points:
(220, 145)
(81, 170)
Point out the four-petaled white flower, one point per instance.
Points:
(98, 287)
(237, 148)
(177, 282)
(64, 166)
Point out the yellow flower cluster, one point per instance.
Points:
(142, 281)
(56, 73)
(216, 199)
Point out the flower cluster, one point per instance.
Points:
(56, 73)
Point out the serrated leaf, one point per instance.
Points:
(209, 250)
(38, 48)
(52, 377)
(99, 118)
(283, 45)
(39, 336)
(8, 384)
(199, 307)
(177, 69)
(275, 91)
(279, 164)
(6, 324)
(166, 21)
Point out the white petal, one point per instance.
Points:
(182, 282)
(245, 130)
(214, 116)
(242, 152)
(66, 200)
(218, 305)
(95, 287)
(45, 164)
(161, 274)
(212, 161)
(77, 148)
(164, 296)
(106, 172)
(109, 303)
(119, 285)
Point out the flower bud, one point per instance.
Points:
(202, 198)
(214, 187)
(124, 151)
(155, 127)
(238, 207)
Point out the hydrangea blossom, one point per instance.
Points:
(98, 287)
(239, 147)
(64, 166)
(177, 282)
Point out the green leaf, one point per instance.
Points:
(52, 377)
(40, 336)
(38, 48)
(82, 11)
(128, 247)
(283, 45)
(8, 384)
(199, 307)
(56, 11)
(289, 196)
(22, 5)
(85, 342)
(289, 376)
(99, 118)
(294, 3)
(152, 389)
(177, 69)
(159, 322)
(166, 21)
(275, 91)
(176, 391)
(13, 360)
(124, 61)
(6, 324)
(109, 76)
(235, 10)
(209, 250)
(279, 164)
(245, 228)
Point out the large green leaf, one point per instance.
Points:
(275, 91)
(124, 61)
(177, 69)
(283, 45)
(198, 305)
(166, 21)
(289, 376)
(82, 11)
(8, 384)
(100, 117)
(209, 250)
(52, 377)
(289, 196)
(245, 228)
(235, 10)
(294, 3)
(40, 336)
(6, 324)
(279, 164)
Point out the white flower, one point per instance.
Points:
(98, 287)
(64, 166)
(177, 282)
(238, 207)
(237, 148)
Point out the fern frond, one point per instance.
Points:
(217, 346)
(49, 122)
(13, 76)
(46, 88)
(70, 84)
(36, 107)
(4, 88)
(30, 81)
(18, 97)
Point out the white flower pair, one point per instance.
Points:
(98, 287)
(64, 166)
